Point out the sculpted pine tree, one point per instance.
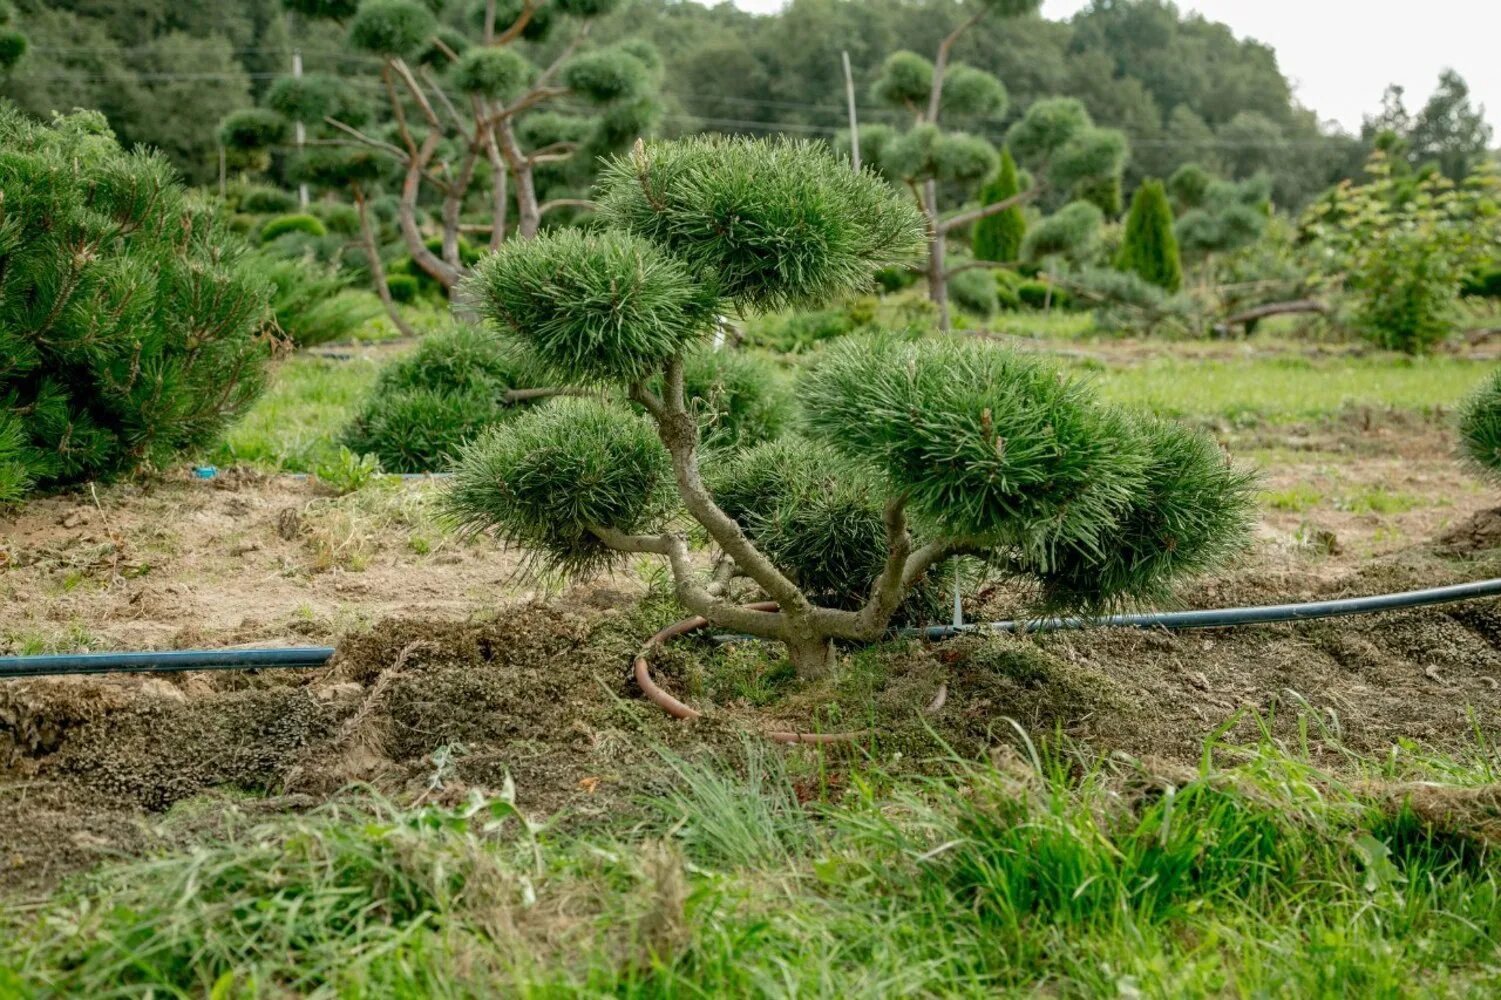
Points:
(129, 328)
(1056, 139)
(468, 120)
(917, 452)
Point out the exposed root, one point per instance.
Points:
(678, 710)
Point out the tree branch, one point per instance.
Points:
(679, 433)
(941, 64)
(377, 268)
(690, 590)
(385, 147)
(584, 203)
(948, 225)
(887, 590)
(528, 8)
(418, 93)
(994, 265)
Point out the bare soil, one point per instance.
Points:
(454, 674)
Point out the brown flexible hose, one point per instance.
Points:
(657, 696)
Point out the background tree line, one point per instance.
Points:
(1181, 88)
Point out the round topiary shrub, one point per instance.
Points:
(338, 218)
(739, 399)
(974, 291)
(404, 288)
(301, 222)
(259, 199)
(425, 405)
(1480, 428)
(393, 28)
(918, 452)
(129, 322)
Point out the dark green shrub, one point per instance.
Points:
(259, 199)
(895, 279)
(810, 511)
(281, 225)
(426, 404)
(1483, 284)
(404, 288)
(312, 303)
(497, 74)
(606, 76)
(974, 291)
(338, 218)
(1150, 250)
(15, 470)
(999, 237)
(393, 28)
(13, 46)
(739, 399)
(544, 478)
(307, 99)
(794, 333)
(1035, 294)
(252, 129)
(1480, 428)
(129, 323)
(1071, 233)
(1007, 290)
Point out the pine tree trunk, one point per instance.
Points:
(938, 282)
(812, 657)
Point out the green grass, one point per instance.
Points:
(1273, 389)
(295, 425)
(1043, 872)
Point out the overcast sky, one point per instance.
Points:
(1341, 54)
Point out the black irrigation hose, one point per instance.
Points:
(316, 656)
(164, 663)
(1229, 617)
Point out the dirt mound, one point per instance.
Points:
(415, 708)
(1478, 533)
(425, 710)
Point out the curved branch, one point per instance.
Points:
(941, 64)
(993, 265)
(690, 591)
(948, 225)
(679, 433)
(583, 203)
(887, 590)
(528, 8)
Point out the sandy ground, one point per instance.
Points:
(241, 561)
(180, 563)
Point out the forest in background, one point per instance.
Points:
(1181, 88)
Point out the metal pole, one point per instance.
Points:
(302, 193)
(849, 93)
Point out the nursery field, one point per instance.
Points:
(1180, 806)
(473, 796)
(1355, 454)
(881, 498)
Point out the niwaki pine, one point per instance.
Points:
(911, 453)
